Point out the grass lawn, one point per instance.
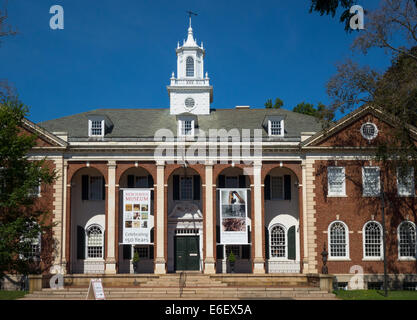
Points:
(11, 295)
(375, 295)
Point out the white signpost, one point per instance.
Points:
(95, 290)
(233, 216)
(137, 216)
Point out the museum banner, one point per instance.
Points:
(136, 216)
(233, 216)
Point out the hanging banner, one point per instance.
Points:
(136, 216)
(233, 216)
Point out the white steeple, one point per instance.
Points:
(191, 84)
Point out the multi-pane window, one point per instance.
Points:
(275, 128)
(186, 127)
(277, 188)
(186, 188)
(232, 182)
(96, 188)
(371, 181)
(407, 240)
(143, 252)
(336, 181)
(35, 191)
(96, 128)
(405, 182)
(338, 243)
(372, 240)
(94, 242)
(277, 242)
(190, 67)
(35, 248)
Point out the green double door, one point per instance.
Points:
(187, 253)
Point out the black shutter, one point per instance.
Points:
(130, 181)
(150, 184)
(84, 187)
(104, 189)
(249, 235)
(287, 187)
(217, 234)
(246, 252)
(266, 243)
(267, 188)
(176, 186)
(242, 181)
(151, 252)
(127, 251)
(291, 243)
(152, 235)
(219, 251)
(80, 243)
(104, 246)
(222, 181)
(196, 187)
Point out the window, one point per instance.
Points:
(407, 240)
(277, 188)
(377, 285)
(34, 245)
(369, 131)
(96, 128)
(371, 181)
(372, 239)
(336, 181)
(186, 188)
(277, 242)
(143, 252)
(94, 242)
(190, 67)
(338, 240)
(410, 286)
(189, 103)
(405, 182)
(96, 188)
(234, 249)
(232, 182)
(186, 127)
(36, 191)
(276, 127)
(141, 182)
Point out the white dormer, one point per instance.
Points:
(97, 125)
(275, 126)
(186, 126)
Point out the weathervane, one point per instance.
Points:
(190, 13)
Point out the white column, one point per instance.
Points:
(64, 218)
(305, 238)
(111, 217)
(209, 262)
(259, 262)
(160, 262)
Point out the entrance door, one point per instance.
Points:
(187, 253)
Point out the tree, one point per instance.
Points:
(20, 220)
(277, 105)
(320, 112)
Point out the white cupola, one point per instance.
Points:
(190, 91)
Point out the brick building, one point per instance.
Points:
(308, 189)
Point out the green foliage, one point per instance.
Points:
(375, 295)
(277, 105)
(321, 112)
(231, 257)
(12, 295)
(20, 221)
(330, 7)
(135, 257)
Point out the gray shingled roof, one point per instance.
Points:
(143, 123)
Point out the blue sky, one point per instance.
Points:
(120, 54)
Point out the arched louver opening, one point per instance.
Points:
(190, 67)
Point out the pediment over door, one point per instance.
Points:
(185, 211)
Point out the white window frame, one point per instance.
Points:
(192, 188)
(102, 242)
(186, 67)
(375, 132)
(90, 127)
(180, 127)
(282, 189)
(413, 191)
(270, 127)
(36, 192)
(406, 258)
(363, 182)
(347, 255)
(285, 257)
(372, 258)
(334, 194)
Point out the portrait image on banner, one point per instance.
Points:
(233, 215)
(136, 216)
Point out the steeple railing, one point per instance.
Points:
(190, 82)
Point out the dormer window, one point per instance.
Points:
(190, 67)
(97, 128)
(186, 126)
(98, 125)
(276, 127)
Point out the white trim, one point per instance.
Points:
(406, 258)
(270, 127)
(363, 181)
(90, 124)
(372, 258)
(86, 242)
(343, 192)
(375, 133)
(347, 256)
(285, 257)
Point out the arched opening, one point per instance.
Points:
(282, 221)
(190, 67)
(185, 221)
(136, 178)
(233, 221)
(88, 195)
